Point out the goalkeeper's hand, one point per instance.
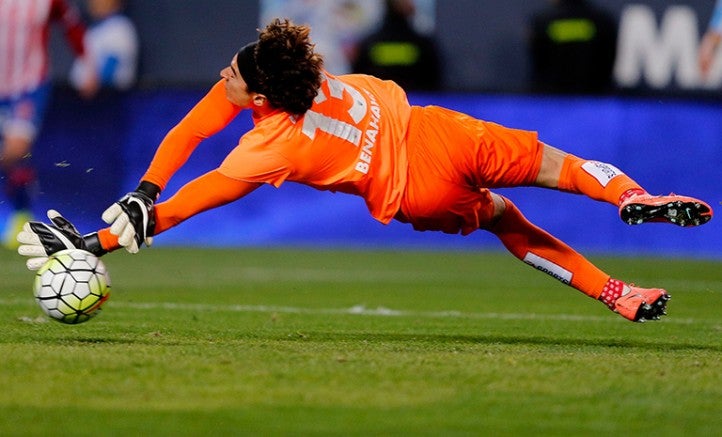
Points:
(40, 240)
(132, 218)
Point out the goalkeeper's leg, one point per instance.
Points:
(543, 251)
(595, 179)
(607, 183)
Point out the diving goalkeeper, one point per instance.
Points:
(431, 167)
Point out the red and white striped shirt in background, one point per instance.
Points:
(24, 34)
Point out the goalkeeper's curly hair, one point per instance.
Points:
(289, 71)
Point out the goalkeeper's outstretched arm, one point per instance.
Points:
(40, 240)
(201, 194)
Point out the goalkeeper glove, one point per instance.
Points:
(40, 240)
(132, 218)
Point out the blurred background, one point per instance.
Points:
(483, 42)
(650, 109)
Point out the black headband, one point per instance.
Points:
(247, 67)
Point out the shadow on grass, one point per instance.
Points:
(522, 340)
(411, 339)
(136, 340)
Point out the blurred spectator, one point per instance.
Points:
(24, 92)
(102, 117)
(572, 46)
(711, 40)
(112, 43)
(337, 25)
(398, 52)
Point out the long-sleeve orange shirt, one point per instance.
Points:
(352, 140)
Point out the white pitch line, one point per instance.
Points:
(362, 310)
(357, 310)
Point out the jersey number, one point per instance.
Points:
(313, 120)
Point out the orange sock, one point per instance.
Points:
(613, 289)
(547, 253)
(597, 180)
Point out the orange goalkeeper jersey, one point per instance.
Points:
(351, 140)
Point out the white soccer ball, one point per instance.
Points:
(72, 286)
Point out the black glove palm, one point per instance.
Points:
(132, 218)
(40, 240)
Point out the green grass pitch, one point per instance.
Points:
(296, 342)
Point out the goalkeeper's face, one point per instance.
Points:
(236, 88)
